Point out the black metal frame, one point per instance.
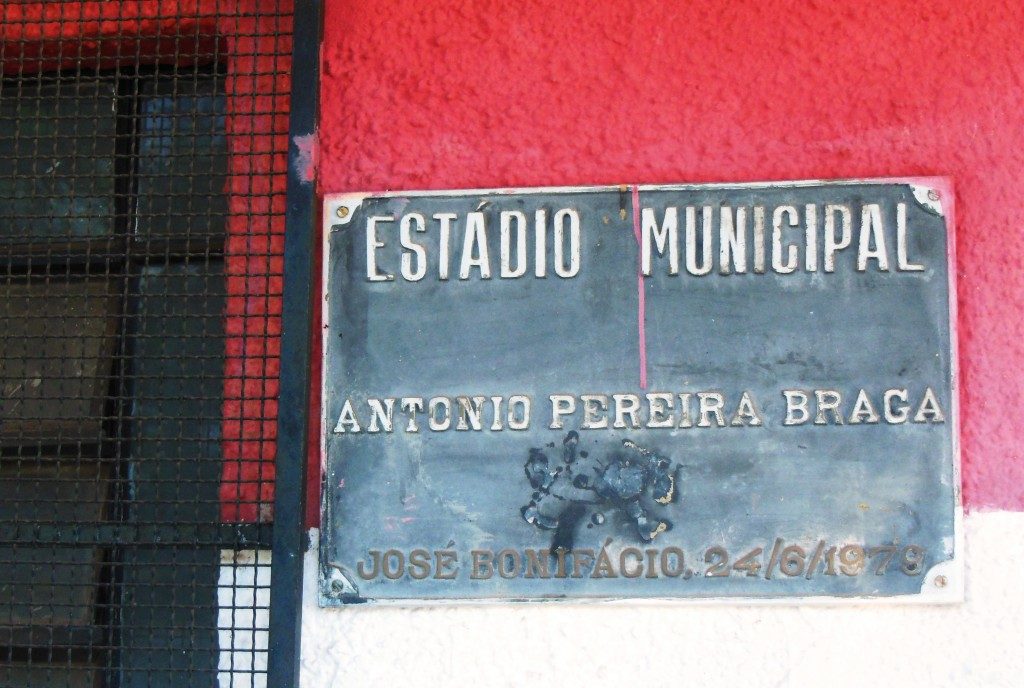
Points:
(301, 216)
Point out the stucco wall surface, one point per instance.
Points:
(977, 643)
(466, 95)
(431, 95)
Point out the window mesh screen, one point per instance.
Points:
(142, 195)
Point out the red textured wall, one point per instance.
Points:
(425, 95)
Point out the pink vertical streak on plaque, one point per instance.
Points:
(641, 307)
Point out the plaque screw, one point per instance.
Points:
(342, 211)
(940, 581)
(933, 195)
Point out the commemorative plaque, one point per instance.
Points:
(671, 392)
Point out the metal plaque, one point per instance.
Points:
(695, 391)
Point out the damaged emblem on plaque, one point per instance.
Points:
(580, 487)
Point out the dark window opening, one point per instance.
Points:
(113, 211)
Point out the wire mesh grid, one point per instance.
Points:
(142, 195)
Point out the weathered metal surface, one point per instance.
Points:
(176, 331)
(72, 676)
(182, 166)
(57, 340)
(57, 143)
(641, 392)
(51, 585)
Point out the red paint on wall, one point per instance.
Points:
(428, 95)
(258, 87)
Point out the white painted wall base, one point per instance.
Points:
(978, 643)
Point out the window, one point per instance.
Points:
(112, 361)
